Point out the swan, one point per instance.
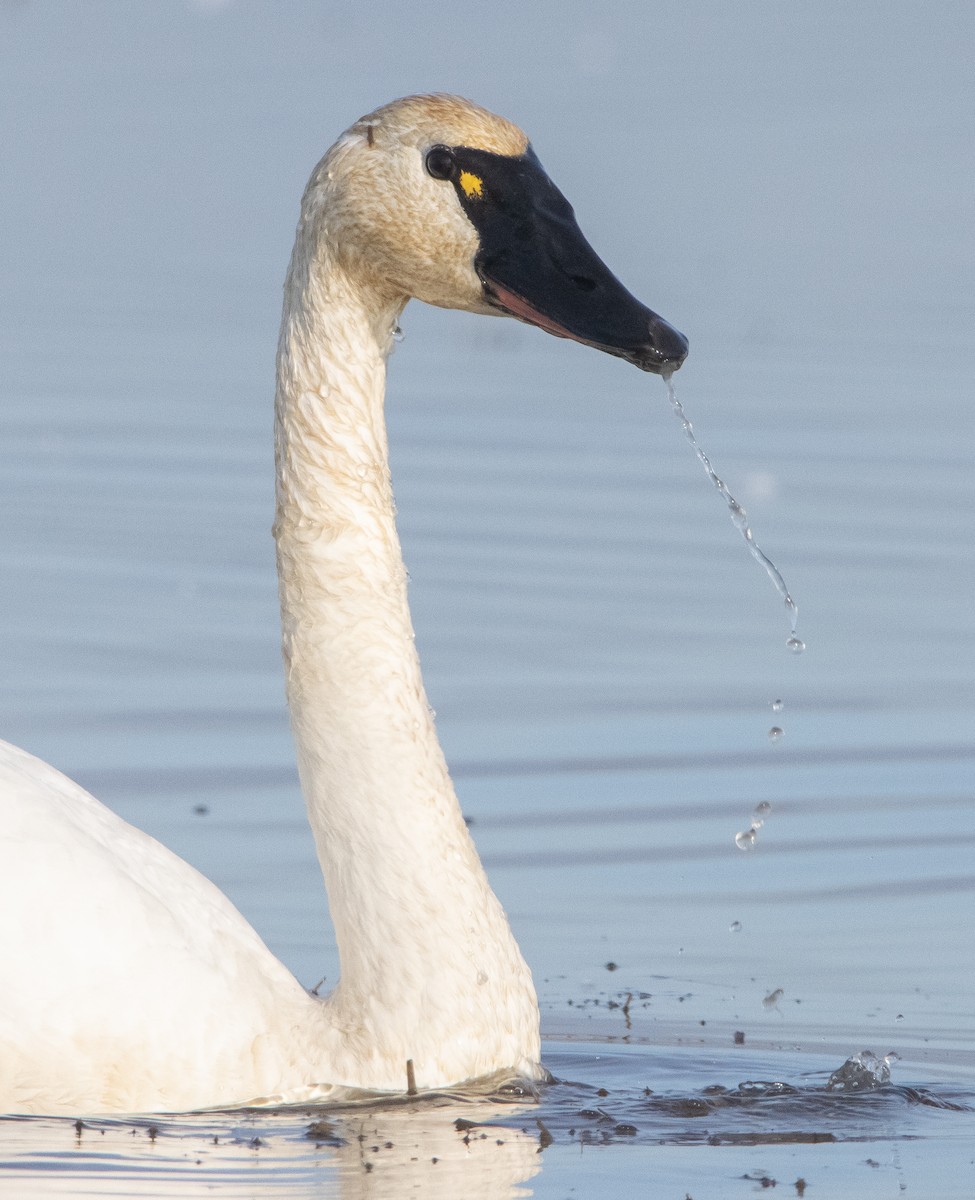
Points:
(128, 981)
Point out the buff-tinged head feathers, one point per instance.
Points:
(386, 219)
(426, 120)
(437, 198)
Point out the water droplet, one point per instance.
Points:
(774, 733)
(899, 1017)
(796, 645)
(481, 978)
(398, 334)
(734, 927)
(738, 516)
(777, 706)
(745, 838)
(362, 471)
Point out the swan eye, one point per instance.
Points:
(440, 163)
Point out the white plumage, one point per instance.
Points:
(128, 982)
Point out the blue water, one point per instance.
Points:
(616, 1121)
(790, 188)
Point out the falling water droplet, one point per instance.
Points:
(777, 706)
(745, 838)
(398, 334)
(739, 518)
(775, 733)
(734, 927)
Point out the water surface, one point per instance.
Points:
(791, 190)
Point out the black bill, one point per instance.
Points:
(535, 263)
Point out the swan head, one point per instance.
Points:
(435, 198)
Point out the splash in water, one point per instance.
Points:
(863, 1070)
(740, 520)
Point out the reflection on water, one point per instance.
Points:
(595, 644)
(386, 1153)
(787, 1107)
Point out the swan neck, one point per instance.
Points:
(399, 865)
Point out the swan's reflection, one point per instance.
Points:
(397, 1153)
(424, 1149)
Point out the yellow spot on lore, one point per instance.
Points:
(472, 185)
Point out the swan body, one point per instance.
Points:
(128, 982)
